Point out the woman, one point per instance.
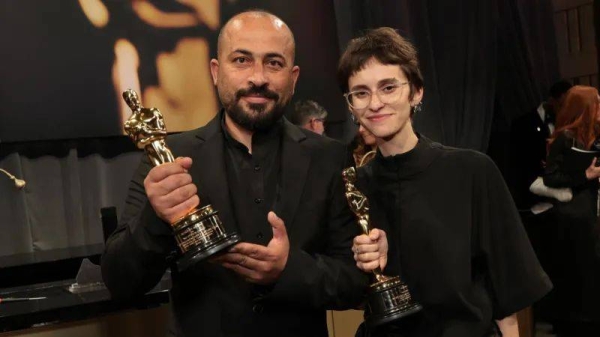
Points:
(455, 236)
(365, 148)
(571, 163)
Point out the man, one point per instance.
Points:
(454, 234)
(272, 182)
(309, 115)
(528, 148)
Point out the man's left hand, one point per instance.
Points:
(256, 263)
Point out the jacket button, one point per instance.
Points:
(259, 235)
(258, 308)
(258, 200)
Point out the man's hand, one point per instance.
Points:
(170, 189)
(256, 263)
(593, 172)
(370, 252)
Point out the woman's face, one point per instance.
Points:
(367, 137)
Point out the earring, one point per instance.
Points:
(418, 107)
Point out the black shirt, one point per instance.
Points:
(253, 181)
(574, 261)
(455, 238)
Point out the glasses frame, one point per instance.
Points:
(347, 96)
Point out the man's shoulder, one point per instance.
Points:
(319, 142)
(201, 133)
(527, 122)
(324, 141)
(182, 138)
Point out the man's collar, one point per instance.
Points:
(215, 126)
(271, 135)
(541, 111)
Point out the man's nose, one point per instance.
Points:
(258, 77)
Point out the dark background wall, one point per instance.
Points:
(484, 62)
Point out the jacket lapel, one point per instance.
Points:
(295, 161)
(210, 175)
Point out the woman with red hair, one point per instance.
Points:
(577, 127)
(576, 265)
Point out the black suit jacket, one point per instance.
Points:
(528, 148)
(209, 300)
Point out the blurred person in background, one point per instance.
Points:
(310, 116)
(572, 163)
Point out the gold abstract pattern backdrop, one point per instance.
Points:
(64, 64)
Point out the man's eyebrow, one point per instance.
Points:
(275, 55)
(249, 53)
(242, 51)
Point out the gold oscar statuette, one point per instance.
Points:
(388, 298)
(199, 234)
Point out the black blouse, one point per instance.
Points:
(559, 172)
(455, 238)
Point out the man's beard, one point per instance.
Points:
(257, 119)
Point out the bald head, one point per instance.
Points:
(255, 19)
(254, 71)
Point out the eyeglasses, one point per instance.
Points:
(322, 120)
(388, 94)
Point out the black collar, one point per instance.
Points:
(409, 163)
(268, 139)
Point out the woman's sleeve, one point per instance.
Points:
(556, 174)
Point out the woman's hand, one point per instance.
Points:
(509, 326)
(593, 172)
(370, 252)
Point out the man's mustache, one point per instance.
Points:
(254, 90)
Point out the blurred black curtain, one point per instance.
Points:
(482, 61)
(527, 66)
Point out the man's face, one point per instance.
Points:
(384, 120)
(316, 125)
(254, 73)
(319, 125)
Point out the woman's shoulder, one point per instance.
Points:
(461, 160)
(566, 134)
(564, 138)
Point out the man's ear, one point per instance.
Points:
(214, 70)
(295, 74)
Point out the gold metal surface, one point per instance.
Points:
(146, 127)
(199, 233)
(359, 204)
(389, 297)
